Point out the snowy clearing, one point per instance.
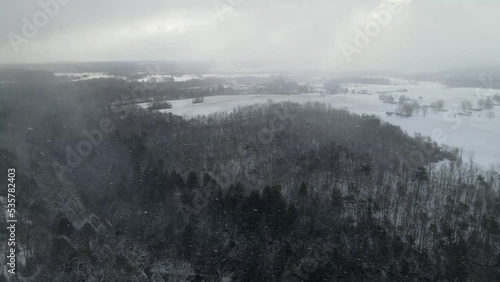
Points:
(84, 75)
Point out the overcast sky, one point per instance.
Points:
(424, 35)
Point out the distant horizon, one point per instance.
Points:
(213, 65)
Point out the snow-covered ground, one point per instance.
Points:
(476, 134)
(83, 75)
(159, 77)
(186, 77)
(167, 77)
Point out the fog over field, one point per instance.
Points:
(237, 140)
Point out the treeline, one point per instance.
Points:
(363, 80)
(129, 93)
(23, 77)
(275, 192)
(280, 86)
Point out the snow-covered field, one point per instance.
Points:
(186, 77)
(167, 77)
(158, 77)
(84, 75)
(476, 134)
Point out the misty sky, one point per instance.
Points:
(426, 35)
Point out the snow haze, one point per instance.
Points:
(335, 35)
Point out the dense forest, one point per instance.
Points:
(275, 192)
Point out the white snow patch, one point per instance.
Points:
(77, 76)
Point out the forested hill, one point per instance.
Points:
(274, 192)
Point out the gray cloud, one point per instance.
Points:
(299, 34)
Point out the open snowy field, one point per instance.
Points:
(186, 77)
(77, 76)
(476, 133)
